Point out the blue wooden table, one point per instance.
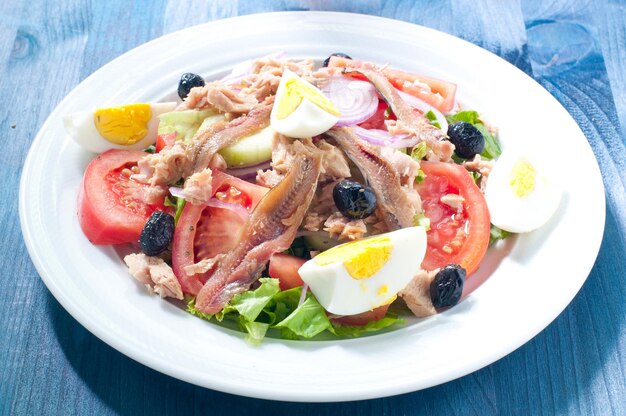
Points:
(49, 364)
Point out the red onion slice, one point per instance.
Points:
(177, 192)
(236, 208)
(384, 138)
(356, 100)
(305, 288)
(424, 108)
(239, 72)
(248, 172)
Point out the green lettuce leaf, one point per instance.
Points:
(468, 116)
(357, 331)
(307, 320)
(255, 332)
(191, 308)
(430, 115)
(267, 307)
(178, 203)
(492, 147)
(496, 234)
(419, 152)
(251, 303)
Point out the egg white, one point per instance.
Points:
(82, 129)
(307, 120)
(516, 214)
(341, 294)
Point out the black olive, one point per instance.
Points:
(339, 54)
(447, 286)
(187, 82)
(354, 200)
(467, 139)
(157, 234)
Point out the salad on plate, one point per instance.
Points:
(294, 199)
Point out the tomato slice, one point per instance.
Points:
(164, 140)
(455, 236)
(284, 267)
(204, 231)
(363, 318)
(377, 120)
(112, 207)
(438, 93)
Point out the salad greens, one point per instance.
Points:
(496, 234)
(492, 147)
(178, 203)
(267, 307)
(419, 152)
(430, 115)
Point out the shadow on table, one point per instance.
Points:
(514, 383)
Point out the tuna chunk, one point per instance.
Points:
(218, 96)
(198, 187)
(480, 166)
(417, 294)
(344, 228)
(155, 273)
(334, 162)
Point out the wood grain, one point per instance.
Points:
(49, 364)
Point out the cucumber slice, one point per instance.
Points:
(186, 123)
(251, 150)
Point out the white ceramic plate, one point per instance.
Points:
(528, 289)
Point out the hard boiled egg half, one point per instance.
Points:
(522, 191)
(364, 274)
(130, 126)
(300, 109)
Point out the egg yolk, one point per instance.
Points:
(295, 91)
(523, 178)
(362, 259)
(124, 125)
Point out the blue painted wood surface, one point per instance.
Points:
(49, 364)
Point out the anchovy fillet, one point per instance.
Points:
(270, 229)
(404, 112)
(205, 144)
(398, 211)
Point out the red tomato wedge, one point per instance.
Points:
(284, 267)
(112, 207)
(438, 93)
(164, 140)
(204, 231)
(363, 318)
(455, 237)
